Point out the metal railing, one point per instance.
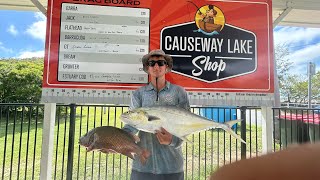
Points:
(295, 125)
(21, 139)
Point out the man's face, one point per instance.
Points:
(154, 69)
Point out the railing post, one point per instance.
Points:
(71, 141)
(267, 129)
(47, 140)
(243, 132)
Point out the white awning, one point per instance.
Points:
(304, 13)
(25, 5)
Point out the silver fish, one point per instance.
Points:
(175, 120)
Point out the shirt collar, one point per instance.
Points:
(150, 86)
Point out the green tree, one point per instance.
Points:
(20, 80)
(299, 92)
(282, 62)
(283, 66)
(299, 88)
(316, 87)
(292, 87)
(288, 87)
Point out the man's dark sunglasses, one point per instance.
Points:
(152, 63)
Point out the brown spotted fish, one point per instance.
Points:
(108, 139)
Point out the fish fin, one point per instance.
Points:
(153, 118)
(128, 153)
(95, 138)
(230, 131)
(184, 138)
(135, 138)
(233, 122)
(90, 148)
(144, 156)
(107, 151)
(93, 145)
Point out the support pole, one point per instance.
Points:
(40, 6)
(311, 72)
(47, 140)
(243, 126)
(71, 141)
(267, 129)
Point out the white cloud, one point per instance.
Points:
(38, 29)
(30, 54)
(12, 30)
(295, 36)
(305, 55)
(303, 44)
(4, 49)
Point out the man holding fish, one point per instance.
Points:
(160, 111)
(166, 160)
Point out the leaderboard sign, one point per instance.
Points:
(222, 50)
(102, 43)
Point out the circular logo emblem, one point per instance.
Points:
(210, 19)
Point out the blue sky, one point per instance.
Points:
(23, 36)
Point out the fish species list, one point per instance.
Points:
(103, 43)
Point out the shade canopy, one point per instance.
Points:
(285, 12)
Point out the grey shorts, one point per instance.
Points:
(135, 175)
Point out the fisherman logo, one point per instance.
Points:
(208, 49)
(210, 20)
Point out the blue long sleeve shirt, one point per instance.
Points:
(164, 159)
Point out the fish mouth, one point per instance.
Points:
(123, 117)
(84, 145)
(126, 119)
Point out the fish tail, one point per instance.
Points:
(229, 124)
(144, 156)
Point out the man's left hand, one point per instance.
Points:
(164, 136)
